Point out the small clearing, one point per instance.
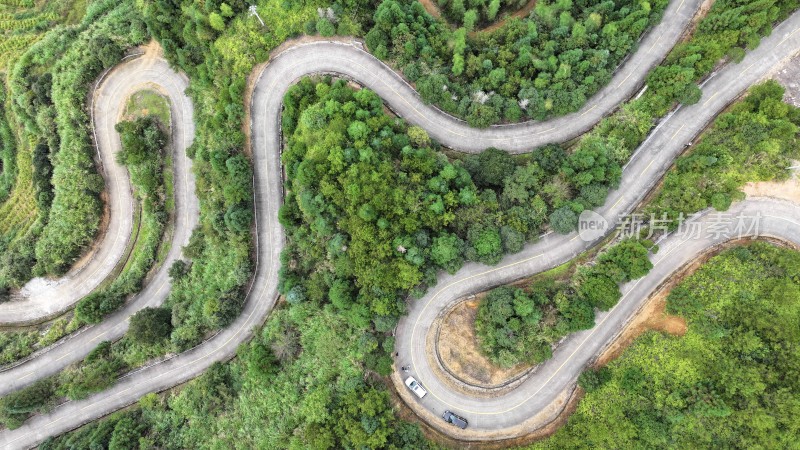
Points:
(460, 352)
(653, 316)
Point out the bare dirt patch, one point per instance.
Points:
(102, 228)
(700, 15)
(431, 7)
(652, 316)
(460, 351)
(520, 14)
(786, 190)
(788, 75)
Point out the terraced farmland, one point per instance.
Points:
(22, 24)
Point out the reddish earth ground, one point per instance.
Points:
(653, 316)
(786, 190)
(433, 9)
(460, 352)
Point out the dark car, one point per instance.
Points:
(458, 421)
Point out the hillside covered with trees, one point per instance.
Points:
(546, 65)
(755, 140)
(521, 326)
(730, 382)
(373, 210)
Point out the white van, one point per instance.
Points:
(416, 387)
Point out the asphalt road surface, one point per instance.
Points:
(649, 163)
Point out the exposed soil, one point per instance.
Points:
(433, 9)
(701, 13)
(652, 316)
(152, 50)
(460, 352)
(788, 75)
(786, 190)
(102, 229)
(521, 13)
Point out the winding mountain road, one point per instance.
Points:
(651, 160)
(40, 298)
(143, 72)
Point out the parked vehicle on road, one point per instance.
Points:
(454, 419)
(416, 387)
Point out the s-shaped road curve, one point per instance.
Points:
(116, 87)
(41, 299)
(352, 62)
(319, 57)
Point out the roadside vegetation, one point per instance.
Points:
(148, 102)
(372, 212)
(144, 141)
(521, 326)
(476, 13)
(8, 164)
(755, 140)
(312, 378)
(545, 65)
(143, 153)
(16, 345)
(143, 144)
(730, 382)
(54, 210)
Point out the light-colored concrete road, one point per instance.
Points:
(320, 57)
(652, 159)
(126, 79)
(647, 166)
(754, 217)
(42, 298)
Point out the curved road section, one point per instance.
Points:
(40, 299)
(650, 161)
(317, 57)
(143, 72)
(517, 138)
(757, 217)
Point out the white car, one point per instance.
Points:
(416, 387)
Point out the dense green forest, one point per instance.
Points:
(312, 379)
(520, 326)
(301, 383)
(730, 382)
(548, 64)
(47, 88)
(470, 13)
(373, 212)
(755, 140)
